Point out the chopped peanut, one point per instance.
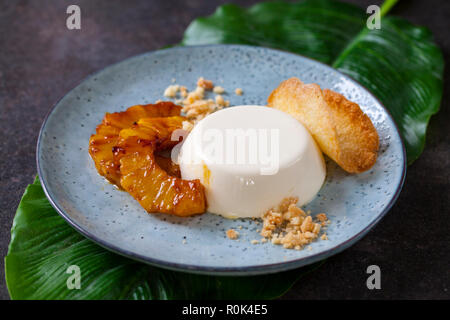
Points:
(220, 100)
(290, 226)
(232, 234)
(205, 84)
(188, 126)
(194, 103)
(171, 91)
(183, 91)
(218, 90)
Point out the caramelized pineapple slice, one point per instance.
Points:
(127, 118)
(168, 166)
(101, 144)
(156, 132)
(123, 151)
(100, 148)
(153, 187)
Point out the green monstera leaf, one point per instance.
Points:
(399, 63)
(43, 247)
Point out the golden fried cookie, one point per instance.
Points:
(340, 128)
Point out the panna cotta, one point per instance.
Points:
(249, 158)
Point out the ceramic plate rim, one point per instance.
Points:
(230, 271)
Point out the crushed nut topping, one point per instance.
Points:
(187, 126)
(290, 226)
(232, 234)
(322, 217)
(205, 84)
(171, 91)
(194, 103)
(221, 101)
(218, 90)
(183, 92)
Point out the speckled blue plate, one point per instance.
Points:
(113, 219)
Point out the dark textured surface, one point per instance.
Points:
(40, 60)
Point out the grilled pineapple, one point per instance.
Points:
(157, 131)
(145, 180)
(168, 166)
(101, 144)
(124, 152)
(154, 189)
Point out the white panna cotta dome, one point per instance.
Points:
(249, 158)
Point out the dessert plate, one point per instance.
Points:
(113, 219)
